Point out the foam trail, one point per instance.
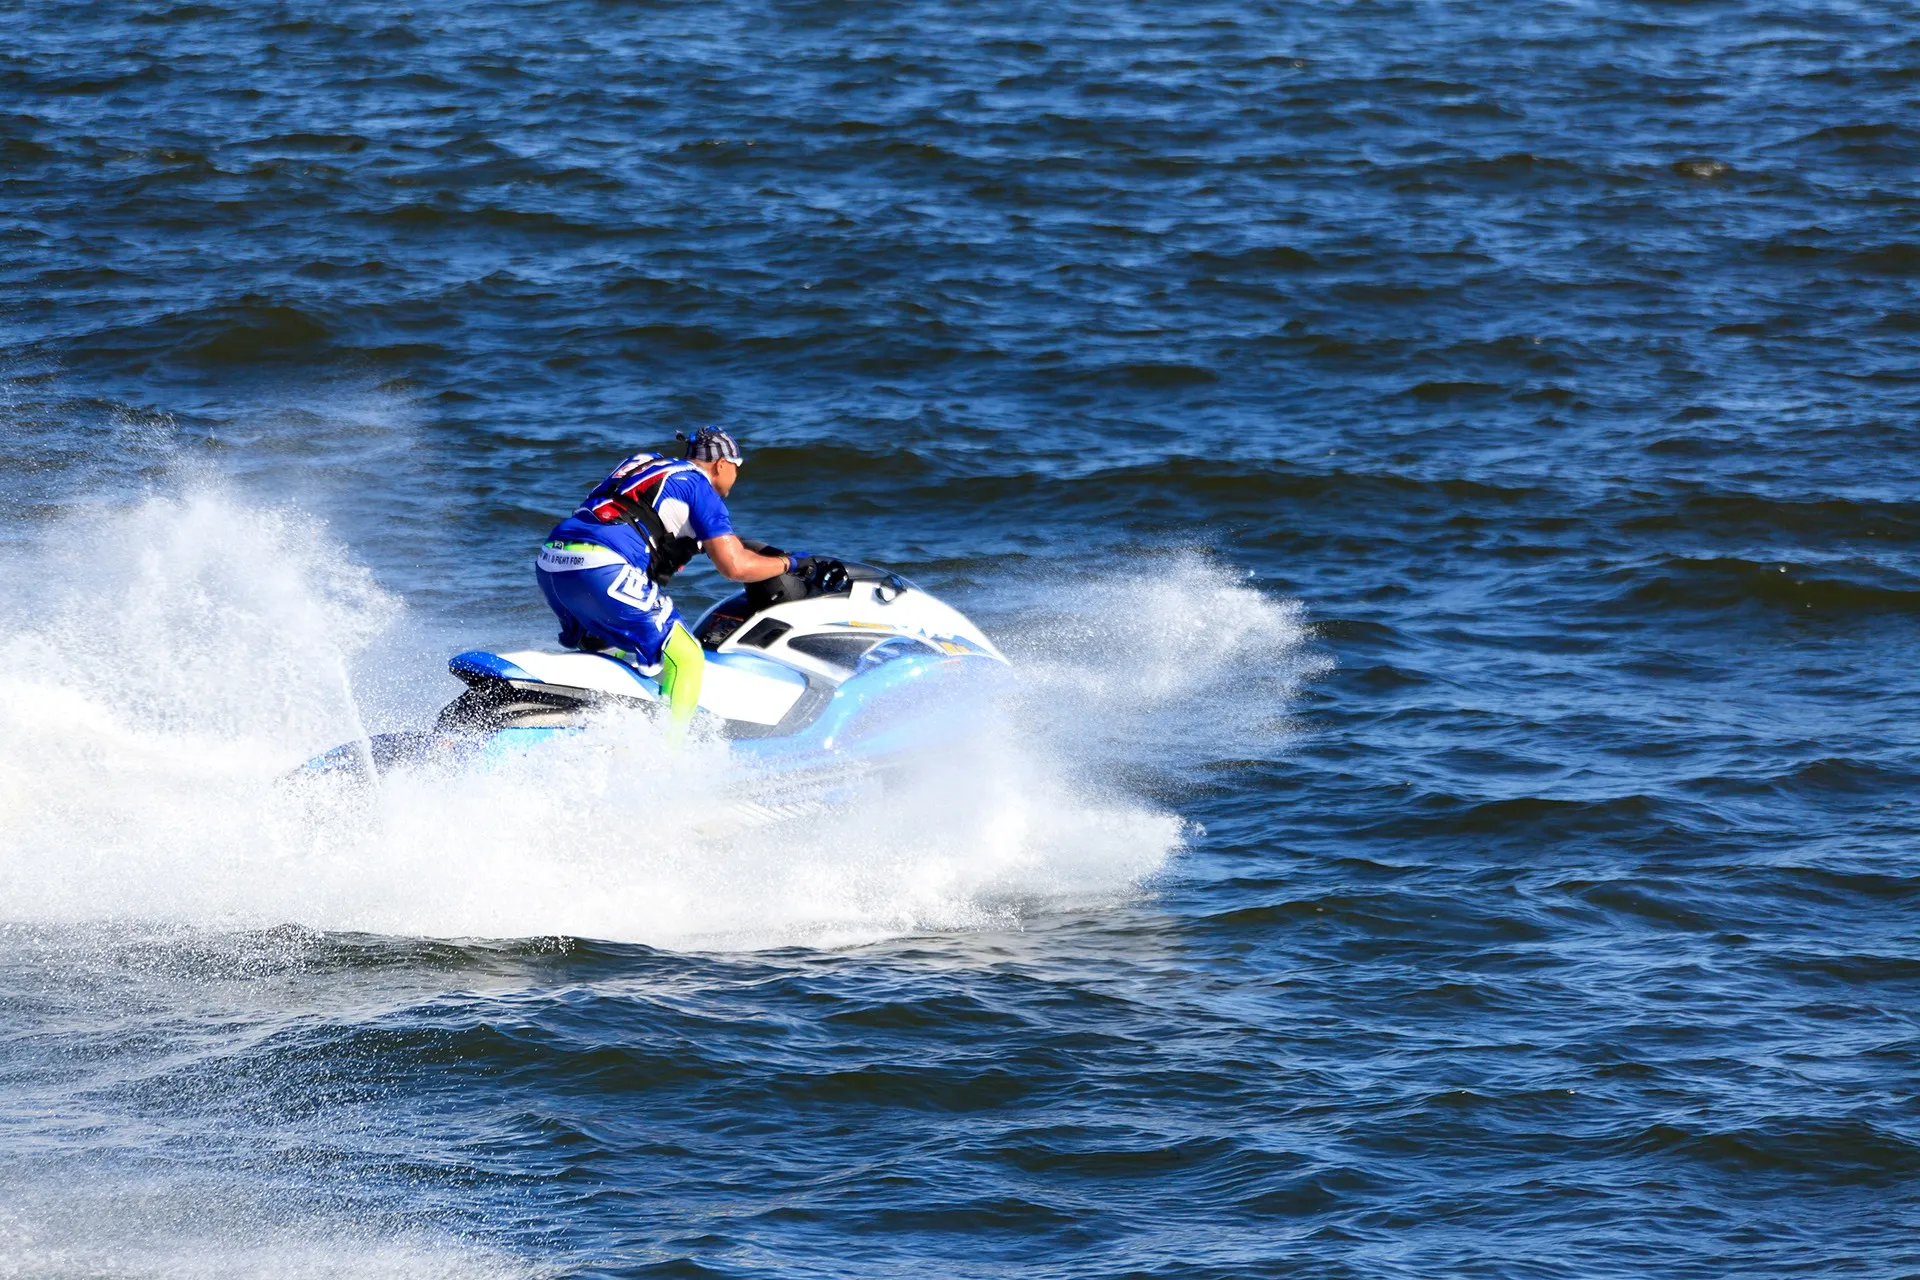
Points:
(110, 1223)
(139, 770)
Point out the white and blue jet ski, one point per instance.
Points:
(799, 678)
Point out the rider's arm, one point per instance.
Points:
(741, 565)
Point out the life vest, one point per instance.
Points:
(630, 496)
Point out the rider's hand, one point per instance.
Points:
(797, 559)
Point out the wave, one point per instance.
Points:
(1874, 143)
(1220, 488)
(1207, 263)
(1836, 1151)
(1739, 514)
(248, 331)
(1694, 584)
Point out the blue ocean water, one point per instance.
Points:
(1445, 472)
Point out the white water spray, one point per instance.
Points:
(104, 1224)
(350, 707)
(158, 683)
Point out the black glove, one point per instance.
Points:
(827, 577)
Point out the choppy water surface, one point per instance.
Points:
(1447, 474)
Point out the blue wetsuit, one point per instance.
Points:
(596, 569)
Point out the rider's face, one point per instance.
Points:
(724, 474)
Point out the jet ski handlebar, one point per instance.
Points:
(815, 576)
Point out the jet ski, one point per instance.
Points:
(829, 672)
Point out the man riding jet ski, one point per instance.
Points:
(603, 567)
(818, 667)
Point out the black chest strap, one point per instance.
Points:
(667, 554)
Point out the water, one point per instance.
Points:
(1445, 473)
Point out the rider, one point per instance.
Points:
(601, 569)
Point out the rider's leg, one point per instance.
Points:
(682, 664)
(575, 577)
(571, 632)
(619, 606)
(610, 605)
